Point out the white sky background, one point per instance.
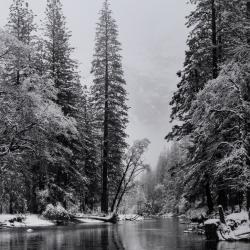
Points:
(153, 36)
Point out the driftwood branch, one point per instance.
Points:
(111, 218)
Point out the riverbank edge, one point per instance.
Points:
(28, 221)
(8, 221)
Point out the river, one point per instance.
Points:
(145, 235)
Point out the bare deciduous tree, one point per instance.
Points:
(133, 166)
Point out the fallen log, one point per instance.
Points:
(111, 218)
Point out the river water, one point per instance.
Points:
(146, 235)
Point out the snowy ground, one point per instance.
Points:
(167, 215)
(31, 220)
(131, 217)
(238, 217)
(90, 221)
(237, 227)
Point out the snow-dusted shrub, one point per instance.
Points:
(57, 212)
(73, 208)
(42, 199)
(146, 209)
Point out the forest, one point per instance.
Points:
(208, 163)
(62, 140)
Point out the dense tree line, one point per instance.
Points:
(212, 105)
(59, 140)
(163, 188)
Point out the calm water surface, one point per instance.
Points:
(146, 235)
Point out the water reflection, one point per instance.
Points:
(101, 237)
(148, 235)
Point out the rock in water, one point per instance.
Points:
(211, 227)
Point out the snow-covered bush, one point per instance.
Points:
(42, 199)
(57, 212)
(73, 208)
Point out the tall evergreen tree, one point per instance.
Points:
(20, 25)
(217, 40)
(62, 69)
(48, 139)
(109, 98)
(60, 65)
(88, 129)
(201, 65)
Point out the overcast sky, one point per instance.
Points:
(153, 36)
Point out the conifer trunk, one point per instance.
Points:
(222, 215)
(214, 41)
(222, 199)
(248, 40)
(210, 203)
(11, 211)
(109, 96)
(248, 18)
(104, 204)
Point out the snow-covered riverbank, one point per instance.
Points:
(130, 217)
(34, 220)
(236, 226)
(30, 220)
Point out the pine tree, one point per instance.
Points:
(60, 66)
(62, 69)
(29, 120)
(17, 70)
(201, 65)
(220, 128)
(44, 144)
(109, 98)
(20, 22)
(89, 138)
(20, 25)
(217, 36)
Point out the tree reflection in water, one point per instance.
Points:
(101, 237)
(147, 235)
(111, 239)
